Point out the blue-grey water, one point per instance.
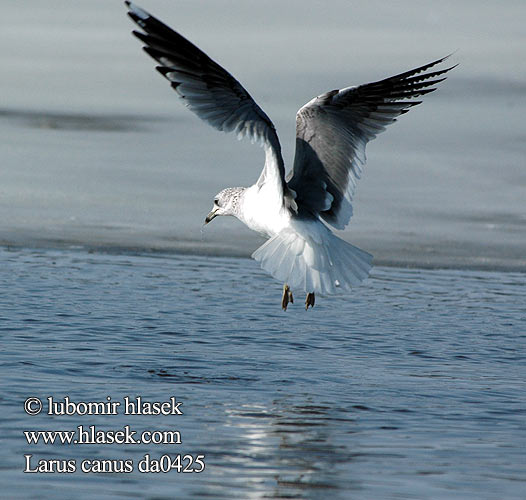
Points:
(413, 387)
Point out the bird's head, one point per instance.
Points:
(226, 202)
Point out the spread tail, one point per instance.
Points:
(319, 262)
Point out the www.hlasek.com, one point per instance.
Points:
(90, 434)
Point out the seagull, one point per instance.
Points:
(295, 211)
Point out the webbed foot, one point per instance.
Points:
(287, 297)
(309, 301)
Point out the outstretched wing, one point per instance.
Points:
(332, 131)
(207, 89)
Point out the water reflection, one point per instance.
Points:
(291, 448)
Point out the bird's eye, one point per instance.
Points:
(216, 202)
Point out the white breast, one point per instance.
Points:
(262, 210)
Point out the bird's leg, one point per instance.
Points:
(287, 297)
(309, 301)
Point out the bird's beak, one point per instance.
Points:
(211, 215)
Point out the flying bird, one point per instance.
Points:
(295, 211)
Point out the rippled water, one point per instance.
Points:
(411, 388)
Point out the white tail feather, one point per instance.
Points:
(321, 262)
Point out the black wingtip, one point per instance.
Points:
(418, 73)
(163, 70)
(154, 53)
(140, 35)
(148, 50)
(444, 59)
(133, 17)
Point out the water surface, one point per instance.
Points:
(413, 387)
